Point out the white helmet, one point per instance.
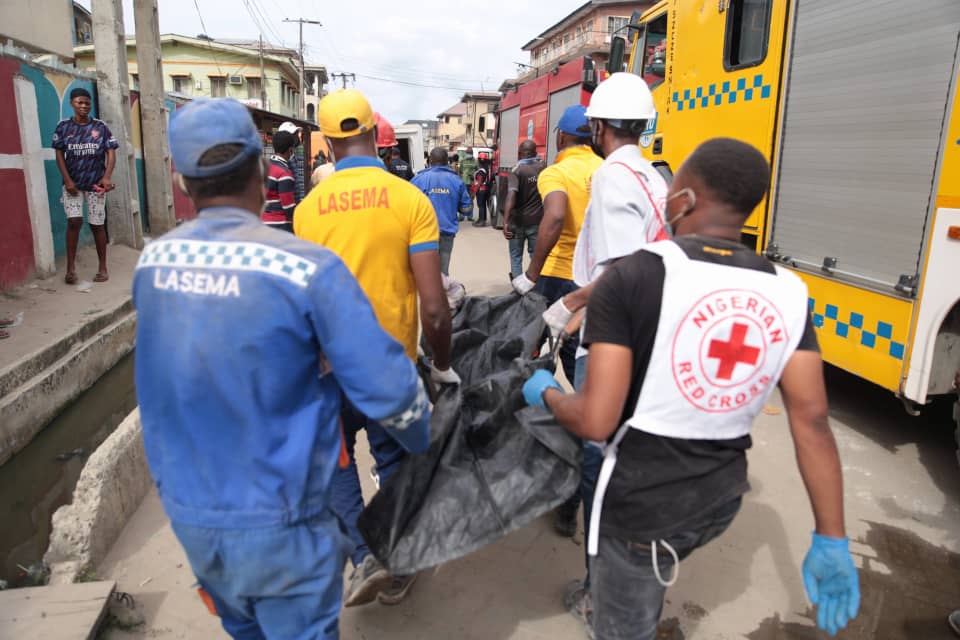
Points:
(623, 96)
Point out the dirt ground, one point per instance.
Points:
(903, 516)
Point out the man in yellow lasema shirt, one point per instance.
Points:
(385, 231)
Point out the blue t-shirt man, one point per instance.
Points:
(449, 197)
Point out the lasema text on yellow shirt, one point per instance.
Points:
(368, 198)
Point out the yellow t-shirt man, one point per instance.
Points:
(571, 173)
(374, 221)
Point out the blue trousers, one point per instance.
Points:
(284, 581)
(627, 597)
(347, 499)
(446, 250)
(553, 289)
(526, 234)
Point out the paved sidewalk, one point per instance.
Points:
(902, 514)
(52, 309)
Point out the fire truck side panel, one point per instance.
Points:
(559, 101)
(706, 91)
(858, 157)
(859, 330)
(861, 134)
(509, 136)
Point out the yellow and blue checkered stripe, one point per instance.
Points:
(716, 94)
(855, 325)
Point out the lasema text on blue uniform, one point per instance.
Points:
(205, 284)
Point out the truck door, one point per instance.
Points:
(649, 61)
(714, 70)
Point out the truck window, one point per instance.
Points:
(748, 31)
(655, 52)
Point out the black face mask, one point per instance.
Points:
(595, 141)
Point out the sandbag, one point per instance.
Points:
(494, 464)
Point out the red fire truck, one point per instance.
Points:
(532, 110)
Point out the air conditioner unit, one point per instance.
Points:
(235, 79)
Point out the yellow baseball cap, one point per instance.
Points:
(345, 113)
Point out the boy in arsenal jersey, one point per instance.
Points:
(687, 339)
(85, 156)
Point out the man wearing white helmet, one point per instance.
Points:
(625, 212)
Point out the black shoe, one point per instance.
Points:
(366, 581)
(565, 517)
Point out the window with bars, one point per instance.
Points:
(253, 88)
(615, 23)
(181, 84)
(218, 87)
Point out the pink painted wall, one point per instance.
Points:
(16, 239)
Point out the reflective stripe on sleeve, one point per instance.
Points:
(411, 414)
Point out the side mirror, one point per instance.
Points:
(617, 49)
(589, 78)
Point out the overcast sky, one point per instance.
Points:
(394, 47)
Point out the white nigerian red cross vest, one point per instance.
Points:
(724, 336)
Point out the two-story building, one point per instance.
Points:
(587, 31)
(479, 120)
(202, 67)
(469, 123)
(451, 126)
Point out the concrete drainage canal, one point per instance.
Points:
(40, 478)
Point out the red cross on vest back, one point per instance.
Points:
(734, 352)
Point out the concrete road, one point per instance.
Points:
(903, 514)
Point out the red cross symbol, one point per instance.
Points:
(733, 352)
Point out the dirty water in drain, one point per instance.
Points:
(39, 479)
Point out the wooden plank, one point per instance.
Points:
(56, 612)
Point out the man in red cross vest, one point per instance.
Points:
(687, 340)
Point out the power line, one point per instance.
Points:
(343, 76)
(302, 97)
(266, 21)
(216, 60)
(414, 84)
(411, 72)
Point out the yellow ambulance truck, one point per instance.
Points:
(855, 104)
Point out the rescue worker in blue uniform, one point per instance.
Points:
(687, 340)
(450, 200)
(246, 338)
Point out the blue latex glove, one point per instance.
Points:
(832, 582)
(539, 382)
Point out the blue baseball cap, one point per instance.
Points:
(205, 123)
(574, 121)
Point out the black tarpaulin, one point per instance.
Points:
(494, 464)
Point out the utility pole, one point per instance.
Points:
(302, 21)
(156, 148)
(343, 77)
(113, 92)
(263, 80)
